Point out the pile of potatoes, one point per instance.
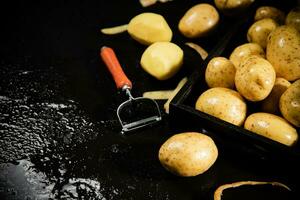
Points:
(266, 70)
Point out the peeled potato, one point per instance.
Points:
(289, 104)
(199, 20)
(188, 154)
(269, 12)
(148, 28)
(243, 51)
(220, 72)
(271, 103)
(255, 78)
(162, 60)
(223, 103)
(273, 127)
(260, 30)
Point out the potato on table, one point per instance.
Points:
(255, 78)
(188, 154)
(220, 72)
(269, 12)
(293, 18)
(147, 28)
(289, 104)
(232, 7)
(273, 127)
(199, 21)
(162, 60)
(223, 103)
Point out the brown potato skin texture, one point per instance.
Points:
(289, 104)
(188, 154)
(232, 7)
(269, 12)
(293, 18)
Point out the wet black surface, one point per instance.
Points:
(59, 134)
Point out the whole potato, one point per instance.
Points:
(255, 78)
(269, 12)
(162, 60)
(188, 154)
(220, 72)
(273, 127)
(260, 30)
(223, 103)
(232, 7)
(271, 103)
(293, 18)
(199, 21)
(283, 52)
(147, 28)
(289, 104)
(243, 51)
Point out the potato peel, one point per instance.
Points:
(202, 52)
(219, 190)
(158, 95)
(146, 3)
(115, 30)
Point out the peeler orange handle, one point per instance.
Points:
(110, 59)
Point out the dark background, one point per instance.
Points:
(59, 136)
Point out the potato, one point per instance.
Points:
(269, 12)
(188, 154)
(255, 78)
(199, 21)
(220, 72)
(273, 127)
(283, 52)
(260, 30)
(162, 60)
(223, 103)
(293, 18)
(232, 7)
(147, 28)
(271, 103)
(243, 51)
(289, 104)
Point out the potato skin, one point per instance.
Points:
(283, 52)
(147, 28)
(232, 7)
(188, 154)
(273, 127)
(260, 30)
(255, 78)
(220, 72)
(289, 104)
(269, 12)
(271, 103)
(223, 103)
(293, 18)
(243, 51)
(199, 21)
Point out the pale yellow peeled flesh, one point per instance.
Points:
(175, 91)
(115, 30)
(283, 52)
(255, 78)
(162, 60)
(147, 28)
(289, 104)
(199, 21)
(223, 103)
(243, 51)
(293, 18)
(260, 30)
(271, 103)
(159, 94)
(269, 12)
(188, 154)
(220, 72)
(272, 127)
